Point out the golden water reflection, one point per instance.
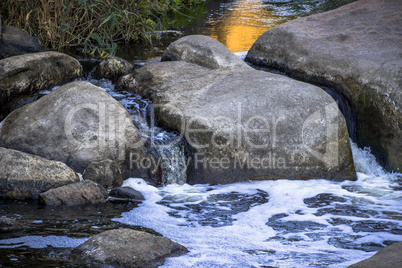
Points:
(242, 24)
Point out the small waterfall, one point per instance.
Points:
(171, 149)
(169, 146)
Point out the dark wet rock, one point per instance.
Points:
(368, 226)
(112, 68)
(349, 242)
(24, 175)
(107, 173)
(8, 225)
(346, 210)
(339, 221)
(377, 226)
(388, 257)
(14, 41)
(128, 248)
(317, 236)
(278, 223)
(76, 124)
(80, 193)
(204, 51)
(126, 193)
(243, 124)
(217, 211)
(260, 251)
(357, 50)
(322, 200)
(29, 73)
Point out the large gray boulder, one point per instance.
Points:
(242, 124)
(357, 49)
(79, 193)
(25, 176)
(204, 51)
(388, 257)
(76, 124)
(14, 41)
(25, 74)
(128, 248)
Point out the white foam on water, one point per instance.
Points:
(223, 226)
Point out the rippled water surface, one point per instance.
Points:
(236, 24)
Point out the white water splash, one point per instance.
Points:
(279, 223)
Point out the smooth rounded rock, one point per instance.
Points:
(127, 248)
(126, 193)
(25, 176)
(30, 73)
(204, 51)
(112, 68)
(242, 124)
(76, 124)
(388, 257)
(355, 49)
(80, 193)
(14, 41)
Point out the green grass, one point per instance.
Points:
(95, 26)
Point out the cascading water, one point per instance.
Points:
(169, 145)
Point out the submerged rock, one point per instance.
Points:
(112, 68)
(128, 248)
(14, 41)
(388, 257)
(242, 124)
(76, 124)
(80, 193)
(357, 50)
(25, 176)
(29, 73)
(8, 225)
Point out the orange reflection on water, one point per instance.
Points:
(242, 24)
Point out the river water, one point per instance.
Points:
(316, 223)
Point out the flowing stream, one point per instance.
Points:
(315, 223)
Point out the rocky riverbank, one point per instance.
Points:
(238, 124)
